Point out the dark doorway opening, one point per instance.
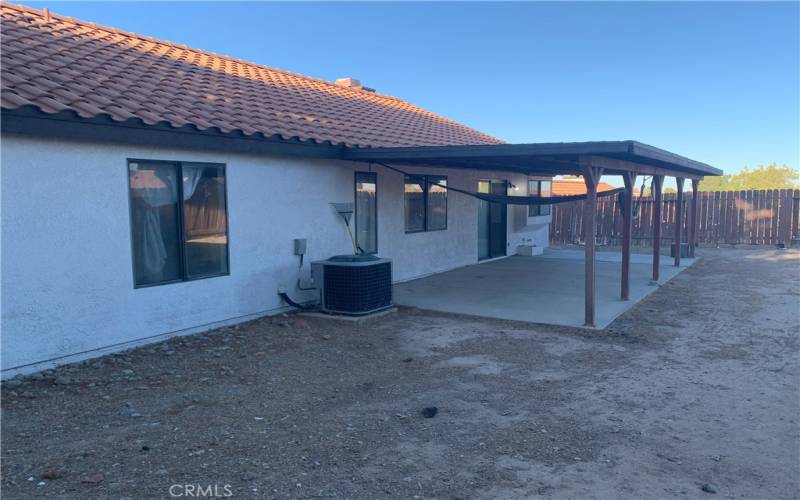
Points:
(492, 221)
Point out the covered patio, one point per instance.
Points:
(591, 160)
(539, 289)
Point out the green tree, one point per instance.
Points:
(716, 183)
(770, 177)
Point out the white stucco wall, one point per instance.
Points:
(67, 282)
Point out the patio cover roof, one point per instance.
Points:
(615, 157)
(591, 160)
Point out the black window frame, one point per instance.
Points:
(425, 188)
(181, 229)
(536, 210)
(355, 205)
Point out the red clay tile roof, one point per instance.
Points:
(568, 186)
(56, 63)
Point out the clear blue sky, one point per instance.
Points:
(718, 82)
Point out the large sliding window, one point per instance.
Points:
(367, 212)
(425, 203)
(539, 188)
(179, 222)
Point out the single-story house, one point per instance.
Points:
(151, 189)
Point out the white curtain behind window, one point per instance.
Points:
(157, 188)
(191, 177)
(154, 252)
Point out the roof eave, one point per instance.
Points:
(67, 125)
(547, 158)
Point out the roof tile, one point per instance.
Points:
(92, 70)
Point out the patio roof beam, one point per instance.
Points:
(620, 155)
(546, 165)
(538, 165)
(620, 166)
(519, 164)
(488, 150)
(463, 164)
(534, 168)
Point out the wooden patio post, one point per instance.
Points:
(627, 228)
(693, 222)
(678, 221)
(658, 183)
(591, 177)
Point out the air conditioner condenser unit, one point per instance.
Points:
(353, 284)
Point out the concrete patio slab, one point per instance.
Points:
(543, 289)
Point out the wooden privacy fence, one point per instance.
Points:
(764, 217)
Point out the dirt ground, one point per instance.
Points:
(696, 386)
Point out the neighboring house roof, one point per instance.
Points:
(571, 185)
(56, 63)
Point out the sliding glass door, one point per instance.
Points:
(492, 221)
(483, 222)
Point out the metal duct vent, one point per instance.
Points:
(353, 284)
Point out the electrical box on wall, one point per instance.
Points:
(299, 246)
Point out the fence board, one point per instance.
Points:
(759, 215)
(719, 224)
(786, 213)
(775, 214)
(753, 219)
(716, 208)
(763, 217)
(750, 234)
(705, 223)
(741, 216)
(796, 214)
(783, 237)
(733, 212)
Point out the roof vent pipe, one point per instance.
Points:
(352, 83)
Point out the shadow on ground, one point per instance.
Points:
(696, 385)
